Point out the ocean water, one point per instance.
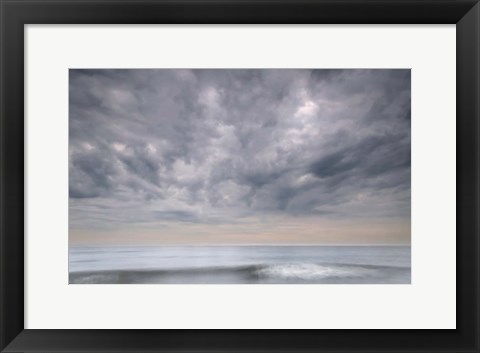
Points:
(239, 264)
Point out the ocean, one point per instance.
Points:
(240, 265)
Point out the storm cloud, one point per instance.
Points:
(221, 146)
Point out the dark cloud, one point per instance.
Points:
(198, 145)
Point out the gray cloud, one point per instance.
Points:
(219, 145)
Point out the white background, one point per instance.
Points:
(429, 302)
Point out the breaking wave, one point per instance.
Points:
(314, 272)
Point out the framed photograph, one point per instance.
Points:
(239, 176)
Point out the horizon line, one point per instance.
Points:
(219, 245)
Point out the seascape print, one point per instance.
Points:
(239, 176)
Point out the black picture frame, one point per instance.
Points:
(15, 14)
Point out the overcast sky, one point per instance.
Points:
(239, 156)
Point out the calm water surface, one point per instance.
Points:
(240, 264)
